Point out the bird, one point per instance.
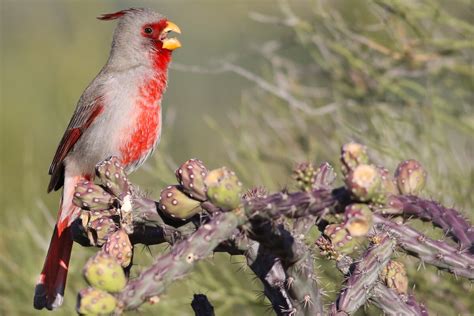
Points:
(118, 114)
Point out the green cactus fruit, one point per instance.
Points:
(304, 175)
(191, 175)
(105, 273)
(365, 183)
(341, 239)
(411, 177)
(92, 301)
(352, 155)
(395, 276)
(118, 246)
(223, 188)
(389, 185)
(90, 196)
(174, 203)
(100, 229)
(358, 219)
(112, 175)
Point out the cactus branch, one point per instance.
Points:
(296, 260)
(268, 268)
(292, 205)
(434, 252)
(450, 220)
(392, 303)
(365, 274)
(179, 261)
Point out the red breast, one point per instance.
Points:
(147, 123)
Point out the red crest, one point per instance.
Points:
(115, 15)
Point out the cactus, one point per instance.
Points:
(450, 220)
(176, 204)
(341, 238)
(365, 275)
(100, 229)
(271, 231)
(103, 272)
(358, 219)
(112, 176)
(301, 286)
(223, 188)
(324, 177)
(437, 253)
(89, 196)
(352, 155)
(92, 301)
(395, 276)
(411, 177)
(365, 183)
(304, 175)
(182, 257)
(391, 303)
(389, 185)
(191, 175)
(119, 247)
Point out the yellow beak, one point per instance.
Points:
(171, 43)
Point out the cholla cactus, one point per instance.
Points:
(103, 272)
(271, 230)
(358, 219)
(176, 204)
(92, 301)
(365, 183)
(119, 247)
(411, 177)
(395, 276)
(352, 155)
(191, 175)
(223, 188)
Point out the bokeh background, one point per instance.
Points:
(257, 86)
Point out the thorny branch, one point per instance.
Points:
(206, 213)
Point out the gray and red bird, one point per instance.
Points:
(119, 114)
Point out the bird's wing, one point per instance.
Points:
(85, 113)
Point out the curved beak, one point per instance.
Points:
(170, 43)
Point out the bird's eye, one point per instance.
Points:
(148, 30)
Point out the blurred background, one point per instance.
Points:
(257, 86)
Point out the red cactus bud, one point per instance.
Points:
(90, 196)
(191, 176)
(111, 174)
(411, 177)
(118, 246)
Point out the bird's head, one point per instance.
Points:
(142, 35)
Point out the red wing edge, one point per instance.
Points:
(81, 120)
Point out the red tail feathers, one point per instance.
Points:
(49, 290)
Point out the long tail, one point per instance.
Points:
(49, 291)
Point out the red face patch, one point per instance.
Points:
(153, 30)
